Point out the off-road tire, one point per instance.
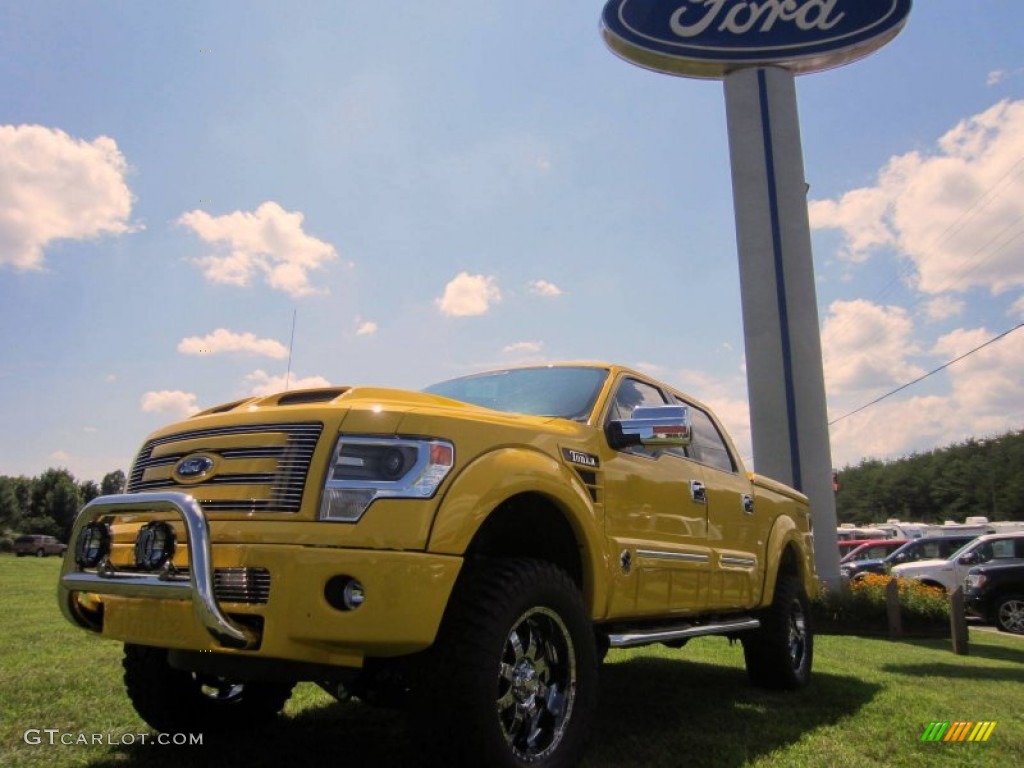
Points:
(176, 701)
(513, 678)
(779, 654)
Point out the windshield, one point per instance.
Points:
(568, 392)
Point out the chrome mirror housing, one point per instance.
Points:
(652, 426)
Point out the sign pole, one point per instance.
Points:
(785, 381)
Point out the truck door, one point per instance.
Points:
(737, 531)
(656, 519)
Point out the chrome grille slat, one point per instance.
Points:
(284, 486)
(241, 585)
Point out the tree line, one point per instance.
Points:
(48, 503)
(973, 478)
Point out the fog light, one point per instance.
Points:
(93, 545)
(154, 546)
(344, 593)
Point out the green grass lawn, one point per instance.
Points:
(868, 704)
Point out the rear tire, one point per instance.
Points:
(514, 678)
(177, 701)
(779, 654)
(1009, 614)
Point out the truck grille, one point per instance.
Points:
(261, 467)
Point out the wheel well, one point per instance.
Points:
(530, 525)
(789, 563)
(930, 583)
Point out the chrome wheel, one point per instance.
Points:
(1010, 615)
(536, 684)
(797, 634)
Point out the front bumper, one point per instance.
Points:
(405, 595)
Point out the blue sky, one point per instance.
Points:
(437, 188)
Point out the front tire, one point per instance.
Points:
(1009, 614)
(780, 653)
(177, 701)
(515, 678)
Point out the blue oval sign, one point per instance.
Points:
(711, 38)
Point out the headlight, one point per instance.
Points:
(975, 580)
(363, 469)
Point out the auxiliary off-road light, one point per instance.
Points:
(93, 545)
(154, 546)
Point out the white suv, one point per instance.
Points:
(949, 574)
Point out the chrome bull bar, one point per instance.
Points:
(162, 585)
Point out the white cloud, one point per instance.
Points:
(546, 289)
(467, 295)
(55, 187)
(525, 347)
(366, 328)
(865, 347)
(269, 242)
(174, 402)
(1017, 308)
(259, 382)
(981, 398)
(996, 76)
(956, 212)
(223, 340)
(62, 456)
(943, 308)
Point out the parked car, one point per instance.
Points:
(873, 550)
(948, 574)
(926, 548)
(995, 593)
(38, 545)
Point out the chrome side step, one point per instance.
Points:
(634, 637)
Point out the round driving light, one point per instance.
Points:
(343, 593)
(154, 546)
(93, 545)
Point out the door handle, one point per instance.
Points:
(697, 492)
(748, 504)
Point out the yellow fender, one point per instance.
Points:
(498, 475)
(784, 534)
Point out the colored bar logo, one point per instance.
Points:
(960, 730)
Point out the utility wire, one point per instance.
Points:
(877, 400)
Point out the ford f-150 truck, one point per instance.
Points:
(471, 551)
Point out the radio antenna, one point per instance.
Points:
(291, 345)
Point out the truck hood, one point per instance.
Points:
(390, 406)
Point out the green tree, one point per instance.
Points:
(113, 482)
(55, 495)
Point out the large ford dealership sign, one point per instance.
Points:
(711, 38)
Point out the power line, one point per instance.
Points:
(877, 400)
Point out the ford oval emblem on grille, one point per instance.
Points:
(194, 467)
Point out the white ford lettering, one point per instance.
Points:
(742, 17)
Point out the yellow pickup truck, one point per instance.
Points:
(471, 551)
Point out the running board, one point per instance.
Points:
(635, 637)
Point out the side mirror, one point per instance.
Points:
(652, 425)
(971, 558)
